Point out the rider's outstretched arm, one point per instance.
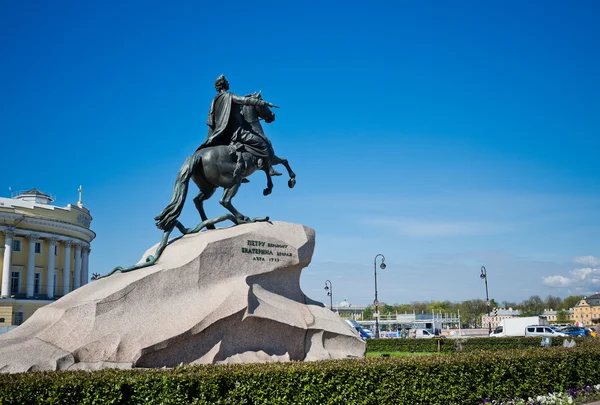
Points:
(247, 100)
(250, 101)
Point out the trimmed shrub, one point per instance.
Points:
(465, 378)
(453, 345)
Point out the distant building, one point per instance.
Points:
(44, 252)
(587, 311)
(561, 316)
(347, 310)
(499, 314)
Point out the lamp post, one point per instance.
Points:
(329, 289)
(483, 275)
(376, 302)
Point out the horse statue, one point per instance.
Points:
(213, 167)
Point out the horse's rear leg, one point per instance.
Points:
(225, 201)
(203, 195)
(277, 160)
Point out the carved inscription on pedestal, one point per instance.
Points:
(262, 251)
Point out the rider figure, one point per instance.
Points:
(225, 122)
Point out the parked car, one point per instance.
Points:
(577, 331)
(359, 329)
(543, 330)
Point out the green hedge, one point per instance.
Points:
(466, 378)
(454, 345)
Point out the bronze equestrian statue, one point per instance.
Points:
(235, 148)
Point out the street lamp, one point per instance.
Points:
(329, 289)
(376, 302)
(483, 275)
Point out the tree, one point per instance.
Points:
(367, 314)
(570, 301)
(471, 311)
(436, 306)
(420, 307)
(532, 306)
(562, 316)
(509, 304)
(553, 302)
(403, 308)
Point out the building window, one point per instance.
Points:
(15, 282)
(38, 247)
(37, 283)
(55, 250)
(16, 245)
(18, 318)
(2, 320)
(55, 287)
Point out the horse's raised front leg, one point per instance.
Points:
(269, 188)
(277, 160)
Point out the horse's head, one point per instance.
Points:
(262, 111)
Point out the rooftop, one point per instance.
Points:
(33, 195)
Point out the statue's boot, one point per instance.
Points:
(239, 168)
(274, 172)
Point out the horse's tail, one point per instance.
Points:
(166, 219)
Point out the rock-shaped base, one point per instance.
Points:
(222, 296)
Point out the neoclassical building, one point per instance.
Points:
(587, 311)
(44, 252)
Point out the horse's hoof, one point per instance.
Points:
(259, 219)
(266, 191)
(292, 182)
(243, 220)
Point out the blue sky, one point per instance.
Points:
(445, 136)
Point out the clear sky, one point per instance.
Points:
(444, 135)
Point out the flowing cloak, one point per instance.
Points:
(226, 126)
(218, 120)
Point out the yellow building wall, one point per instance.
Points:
(20, 259)
(6, 313)
(23, 271)
(55, 213)
(7, 310)
(28, 308)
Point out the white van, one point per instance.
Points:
(420, 334)
(543, 330)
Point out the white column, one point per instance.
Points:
(50, 283)
(67, 267)
(77, 280)
(85, 265)
(33, 239)
(6, 265)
